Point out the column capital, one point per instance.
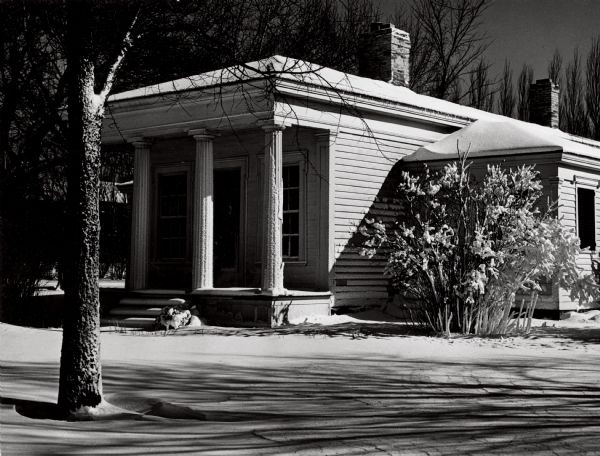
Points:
(141, 143)
(271, 125)
(202, 134)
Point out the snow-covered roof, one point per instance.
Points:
(488, 134)
(289, 69)
(502, 135)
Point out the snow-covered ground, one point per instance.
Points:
(358, 384)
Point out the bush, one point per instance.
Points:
(465, 251)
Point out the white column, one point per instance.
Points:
(202, 258)
(140, 216)
(272, 262)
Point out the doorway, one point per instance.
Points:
(228, 203)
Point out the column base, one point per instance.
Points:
(274, 291)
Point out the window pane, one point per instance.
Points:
(291, 176)
(172, 216)
(285, 246)
(294, 246)
(291, 211)
(292, 198)
(586, 217)
(286, 223)
(291, 223)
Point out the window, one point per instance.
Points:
(290, 247)
(586, 220)
(172, 216)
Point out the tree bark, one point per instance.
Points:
(80, 372)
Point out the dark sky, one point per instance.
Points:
(528, 31)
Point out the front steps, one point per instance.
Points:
(139, 309)
(237, 307)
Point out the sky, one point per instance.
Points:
(528, 31)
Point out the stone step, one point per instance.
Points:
(151, 302)
(132, 322)
(155, 293)
(134, 311)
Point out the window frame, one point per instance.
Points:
(295, 157)
(170, 170)
(298, 232)
(578, 211)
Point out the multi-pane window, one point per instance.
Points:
(586, 220)
(172, 216)
(291, 211)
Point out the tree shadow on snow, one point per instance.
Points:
(269, 404)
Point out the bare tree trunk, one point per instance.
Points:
(555, 68)
(506, 97)
(80, 373)
(525, 80)
(80, 382)
(572, 116)
(481, 91)
(592, 97)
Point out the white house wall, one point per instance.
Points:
(570, 180)
(364, 149)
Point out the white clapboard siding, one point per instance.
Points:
(362, 165)
(568, 211)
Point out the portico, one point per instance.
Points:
(202, 204)
(209, 222)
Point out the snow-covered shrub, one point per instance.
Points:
(174, 316)
(464, 251)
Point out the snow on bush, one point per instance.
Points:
(174, 317)
(465, 251)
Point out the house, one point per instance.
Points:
(250, 182)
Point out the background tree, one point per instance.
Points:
(523, 84)
(555, 67)
(31, 142)
(446, 42)
(592, 96)
(481, 92)
(572, 114)
(195, 36)
(506, 96)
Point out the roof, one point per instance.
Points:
(290, 69)
(487, 134)
(506, 136)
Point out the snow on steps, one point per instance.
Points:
(139, 309)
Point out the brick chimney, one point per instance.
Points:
(543, 103)
(384, 54)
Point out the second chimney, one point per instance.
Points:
(543, 103)
(384, 54)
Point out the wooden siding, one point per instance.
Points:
(570, 181)
(362, 166)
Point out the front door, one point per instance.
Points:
(228, 206)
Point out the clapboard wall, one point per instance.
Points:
(571, 179)
(363, 162)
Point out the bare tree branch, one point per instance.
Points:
(125, 46)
